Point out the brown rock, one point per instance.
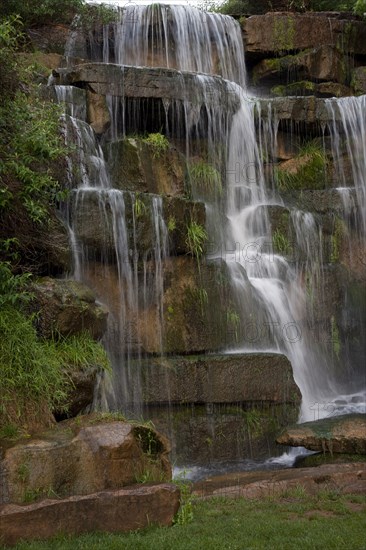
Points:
(108, 455)
(255, 377)
(338, 434)
(98, 113)
(279, 32)
(324, 63)
(343, 478)
(67, 307)
(146, 82)
(134, 166)
(116, 511)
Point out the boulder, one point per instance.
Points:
(77, 459)
(67, 307)
(217, 432)
(229, 378)
(285, 32)
(116, 511)
(337, 434)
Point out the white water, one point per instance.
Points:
(179, 37)
(264, 283)
(348, 133)
(91, 188)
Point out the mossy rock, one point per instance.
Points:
(336, 434)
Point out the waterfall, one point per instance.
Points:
(271, 290)
(98, 216)
(179, 37)
(348, 133)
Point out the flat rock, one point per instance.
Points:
(343, 478)
(145, 82)
(227, 378)
(115, 511)
(338, 434)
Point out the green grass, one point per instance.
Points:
(294, 522)
(37, 371)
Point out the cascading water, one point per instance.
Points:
(92, 191)
(178, 37)
(348, 133)
(270, 292)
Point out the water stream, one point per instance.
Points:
(238, 221)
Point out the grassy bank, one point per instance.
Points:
(295, 521)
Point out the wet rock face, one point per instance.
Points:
(113, 511)
(80, 461)
(220, 379)
(305, 54)
(339, 434)
(146, 82)
(281, 32)
(67, 307)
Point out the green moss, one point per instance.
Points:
(295, 88)
(284, 34)
(311, 170)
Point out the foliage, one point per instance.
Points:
(138, 207)
(360, 7)
(196, 238)
(158, 143)
(233, 321)
(257, 7)
(205, 177)
(42, 12)
(37, 370)
(185, 512)
(90, 17)
(13, 287)
(310, 172)
(10, 36)
(281, 243)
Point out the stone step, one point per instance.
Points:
(226, 378)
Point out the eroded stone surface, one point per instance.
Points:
(279, 32)
(76, 461)
(343, 478)
(219, 379)
(114, 511)
(339, 434)
(67, 307)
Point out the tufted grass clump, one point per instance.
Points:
(35, 373)
(205, 178)
(158, 143)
